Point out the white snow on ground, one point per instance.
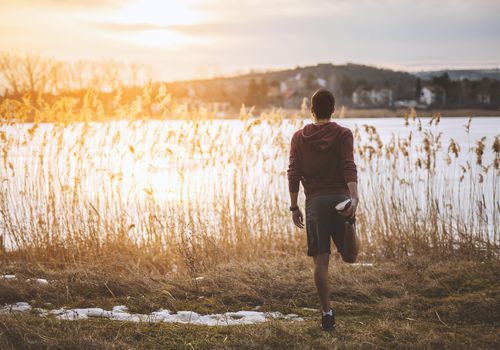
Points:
(35, 280)
(361, 265)
(310, 309)
(121, 313)
(17, 307)
(42, 281)
(8, 277)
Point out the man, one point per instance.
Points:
(321, 157)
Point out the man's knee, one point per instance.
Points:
(349, 258)
(321, 261)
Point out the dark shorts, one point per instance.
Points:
(323, 223)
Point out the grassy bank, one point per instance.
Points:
(411, 303)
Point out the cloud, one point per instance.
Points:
(126, 27)
(73, 3)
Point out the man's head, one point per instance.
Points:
(322, 104)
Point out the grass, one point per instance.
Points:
(411, 303)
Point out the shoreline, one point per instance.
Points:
(346, 113)
(392, 113)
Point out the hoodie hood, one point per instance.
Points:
(321, 137)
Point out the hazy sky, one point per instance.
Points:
(186, 39)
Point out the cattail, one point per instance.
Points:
(496, 145)
(467, 126)
(496, 149)
(418, 163)
(479, 150)
(454, 148)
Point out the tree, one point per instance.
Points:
(418, 89)
(252, 96)
(262, 93)
(311, 82)
(347, 86)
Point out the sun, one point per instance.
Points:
(159, 13)
(157, 19)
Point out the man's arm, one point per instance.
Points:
(294, 174)
(297, 217)
(350, 171)
(353, 188)
(293, 199)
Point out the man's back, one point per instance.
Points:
(321, 156)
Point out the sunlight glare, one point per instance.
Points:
(160, 15)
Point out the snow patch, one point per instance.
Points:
(361, 265)
(121, 313)
(42, 281)
(8, 277)
(310, 309)
(17, 307)
(35, 280)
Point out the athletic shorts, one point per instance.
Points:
(323, 223)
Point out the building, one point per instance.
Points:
(368, 97)
(483, 98)
(432, 95)
(361, 97)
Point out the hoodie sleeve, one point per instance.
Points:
(347, 154)
(294, 172)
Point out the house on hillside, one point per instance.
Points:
(361, 97)
(432, 95)
(483, 98)
(382, 97)
(321, 82)
(368, 97)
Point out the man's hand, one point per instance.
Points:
(351, 211)
(298, 219)
(353, 189)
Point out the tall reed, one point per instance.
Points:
(194, 190)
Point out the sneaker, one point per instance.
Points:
(343, 206)
(328, 322)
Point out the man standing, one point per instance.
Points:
(321, 157)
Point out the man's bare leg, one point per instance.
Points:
(321, 279)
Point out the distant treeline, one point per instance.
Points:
(34, 76)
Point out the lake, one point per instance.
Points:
(174, 167)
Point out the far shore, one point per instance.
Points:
(340, 113)
(343, 112)
(391, 113)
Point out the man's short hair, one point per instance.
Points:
(323, 104)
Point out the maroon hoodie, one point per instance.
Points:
(321, 157)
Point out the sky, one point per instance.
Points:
(202, 38)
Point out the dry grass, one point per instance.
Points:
(411, 303)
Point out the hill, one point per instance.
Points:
(461, 74)
(287, 87)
